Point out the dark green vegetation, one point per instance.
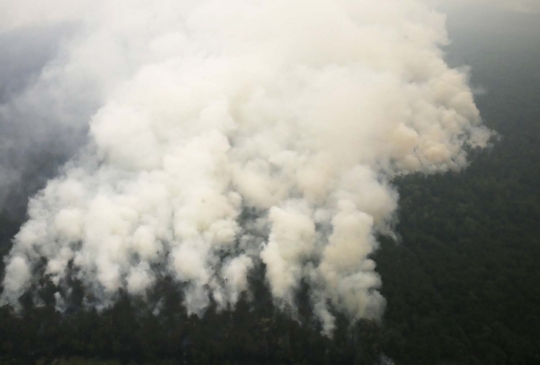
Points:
(129, 332)
(464, 283)
(463, 286)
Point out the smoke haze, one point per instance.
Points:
(222, 135)
(522, 6)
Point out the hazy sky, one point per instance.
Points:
(507, 5)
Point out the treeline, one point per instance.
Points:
(136, 331)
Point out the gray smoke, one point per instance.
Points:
(301, 112)
(522, 6)
(43, 115)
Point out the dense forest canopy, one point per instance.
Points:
(461, 283)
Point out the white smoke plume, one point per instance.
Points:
(300, 112)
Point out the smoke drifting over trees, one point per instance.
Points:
(223, 135)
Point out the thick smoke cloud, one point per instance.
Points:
(233, 133)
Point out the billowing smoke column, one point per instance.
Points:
(297, 112)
